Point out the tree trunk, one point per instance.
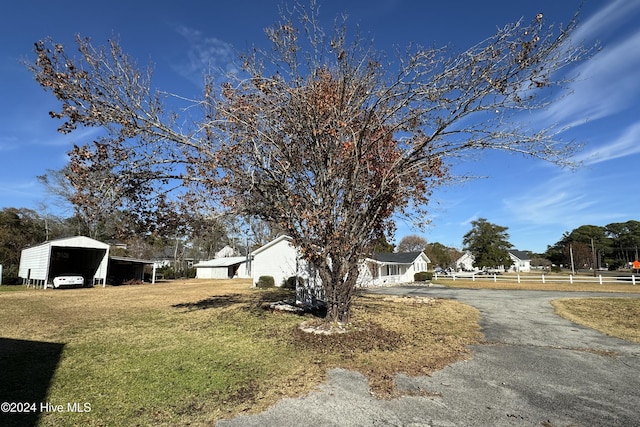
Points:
(339, 283)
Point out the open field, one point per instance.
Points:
(190, 353)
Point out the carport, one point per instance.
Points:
(73, 255)
(124, 270)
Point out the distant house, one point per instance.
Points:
(223, 268)
(387, 268)
(465, 262)
(168, 258)
(521, 261)
(226, 252)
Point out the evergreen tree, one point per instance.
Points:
(488, 243)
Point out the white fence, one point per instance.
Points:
(544, 278)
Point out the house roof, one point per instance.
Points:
(396, 257)
(130, 260)
(521, 255)
(271, 243)
(74, 242)
(221, 262)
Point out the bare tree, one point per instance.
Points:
(320, 136)
(412, 243)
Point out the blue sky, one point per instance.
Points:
(538, 202)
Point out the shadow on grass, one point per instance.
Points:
(256, 299)
(26, 371)
(218, 301)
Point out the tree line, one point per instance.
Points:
(611, 246)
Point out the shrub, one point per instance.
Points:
(422, 276)
(556, 269)
(290, 283)
(167, 272)
(265, 282)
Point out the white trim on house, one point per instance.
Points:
(521, 261)
(388, 268)
(465, 262)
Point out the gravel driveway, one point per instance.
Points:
(536, 369)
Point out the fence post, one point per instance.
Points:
(454, 277)
(633, 279)
(543, 279)
(518, 277)
(571, 279)
(494, 278)
(473, 277)
(600, 278)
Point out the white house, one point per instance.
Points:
(387, 268)
(521, 261)
(465, 262)
(280, 260)
(223, 268)
(78, 255)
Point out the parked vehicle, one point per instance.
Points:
(68, 280)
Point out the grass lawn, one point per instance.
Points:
(618, 317)
(193, 352)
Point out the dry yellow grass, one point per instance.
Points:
(618, 317)
(192, 352)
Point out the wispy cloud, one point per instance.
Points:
(203, 55)
(566, 199)
(607, 83)
(470, 219)
(606, 20)
(627, 144)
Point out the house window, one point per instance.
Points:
(393, 270)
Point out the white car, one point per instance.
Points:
(64, 280)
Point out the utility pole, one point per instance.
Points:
(573, 269)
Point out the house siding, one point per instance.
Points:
(373, 272)
(279, 260)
